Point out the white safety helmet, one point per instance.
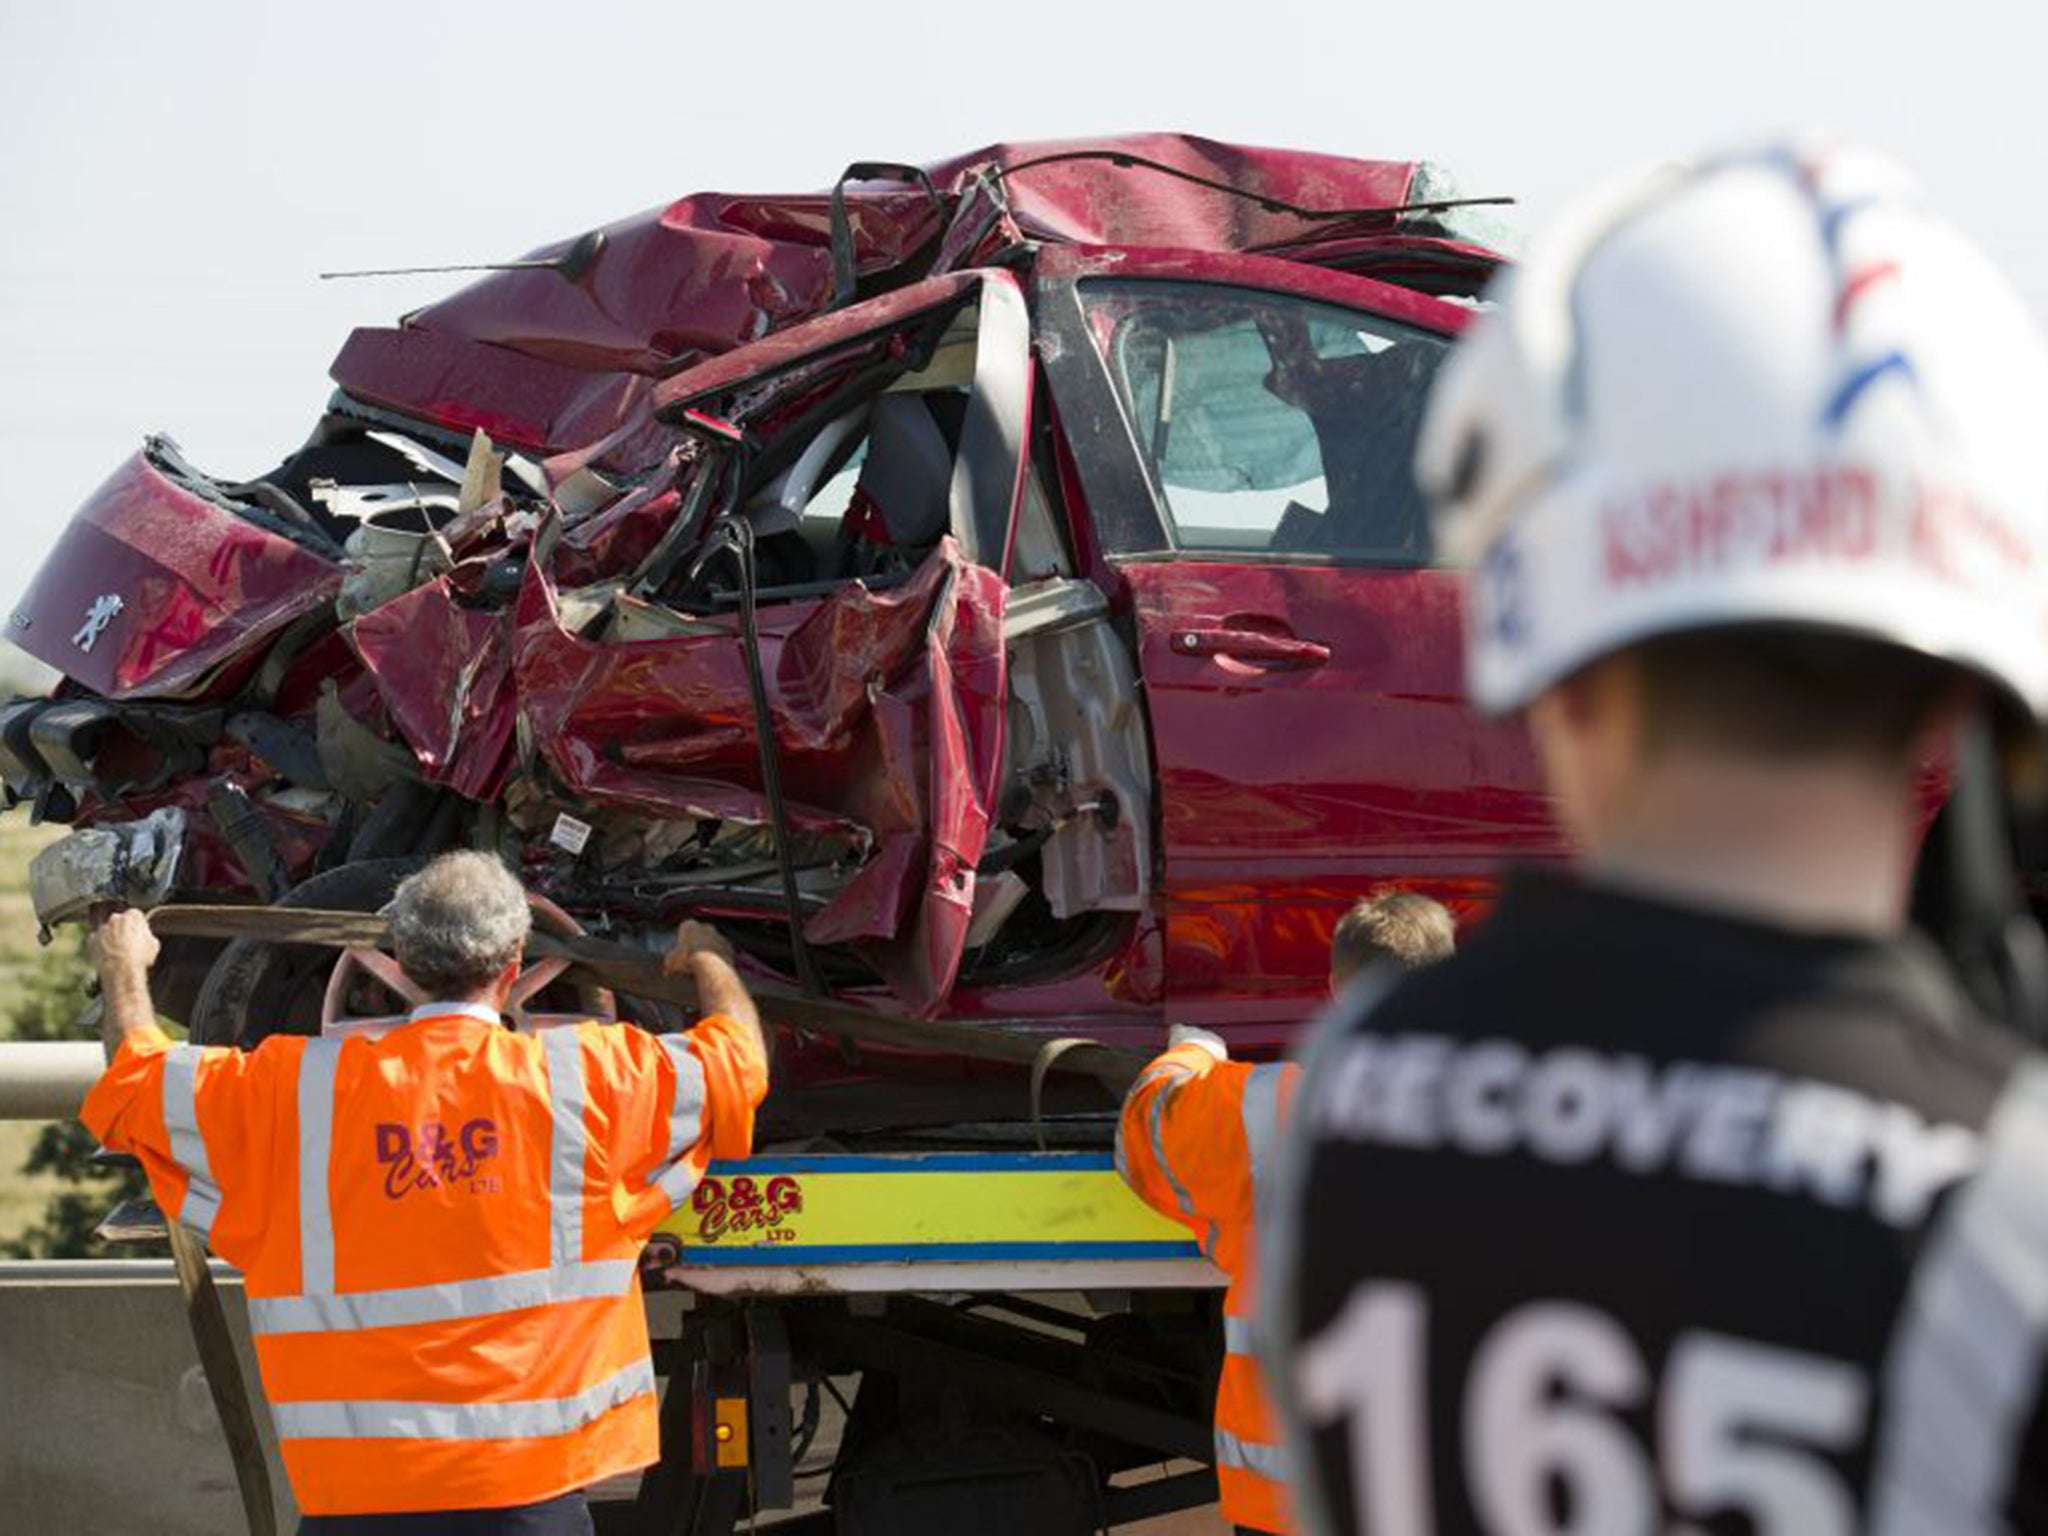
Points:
(1767, 389)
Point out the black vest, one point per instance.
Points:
(1633, 1218)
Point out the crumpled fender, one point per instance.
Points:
(888, 712)
(445, 674)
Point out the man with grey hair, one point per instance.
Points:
(440, 1226)
(459, 925)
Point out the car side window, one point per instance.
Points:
(1270, 425)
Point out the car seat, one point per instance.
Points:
(902, 499)
(1366, 410)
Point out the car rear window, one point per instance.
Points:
(1271, 425)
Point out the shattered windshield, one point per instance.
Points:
(1269, 424)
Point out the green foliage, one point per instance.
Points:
(49, 1005)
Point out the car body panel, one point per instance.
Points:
(888, 717)
(1062, 266)
(444, 672)
(526, 402)
(712, 272)
(198, 588)
(812, 338)
(1365, 770)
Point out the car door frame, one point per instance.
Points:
(1129, 522)
(1131, 528)
(992, 459)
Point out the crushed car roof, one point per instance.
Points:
(674, 285)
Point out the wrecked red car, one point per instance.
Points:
(991, 590)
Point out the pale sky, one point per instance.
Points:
(173, 180)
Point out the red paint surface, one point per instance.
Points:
(199, 587)
(1290, 791)
(888, 715)
(546, 364)
(444, 673)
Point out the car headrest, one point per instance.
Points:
(908, 474)
(778, 506)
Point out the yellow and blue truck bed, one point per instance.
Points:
(928, 1221)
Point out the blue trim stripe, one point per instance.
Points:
(785, 1255)
(1833, 217)
(1852, 388)
(925, 1162)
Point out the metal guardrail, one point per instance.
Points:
(102, 1271)
(98, 1348)
(47, 1079)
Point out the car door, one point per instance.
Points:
(1242, 431)
(885, 685)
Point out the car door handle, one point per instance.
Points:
(1253, 645)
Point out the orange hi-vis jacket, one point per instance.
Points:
(1198, 1141)
(439, 1233)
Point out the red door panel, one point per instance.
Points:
(1318, 750)
(1301, 658)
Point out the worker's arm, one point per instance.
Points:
(188, 1113)
(122, 949)
(672, 1103)
(704, 953)
(1197, 1136)
(728, 1042)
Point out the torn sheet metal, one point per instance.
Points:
(888, 712)
(205, 860)
(444, 672)
(548, 365)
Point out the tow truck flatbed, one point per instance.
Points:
(866, 1223)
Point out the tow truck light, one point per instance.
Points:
(729, 1432)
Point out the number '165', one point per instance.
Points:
(1739, 1424)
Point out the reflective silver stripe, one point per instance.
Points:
(188, 1144)
(1238, 1336)
(447, 1302)
(685, 1120)
(1172, 1069)
(181, 1110)
(1152, 1074)
(1154, 1130)
(1247, 1456)
(1261, 1111)
(316, 1156)
(201, 1207)
(566, 1147)
(1963, 1372)
(371, 1420)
